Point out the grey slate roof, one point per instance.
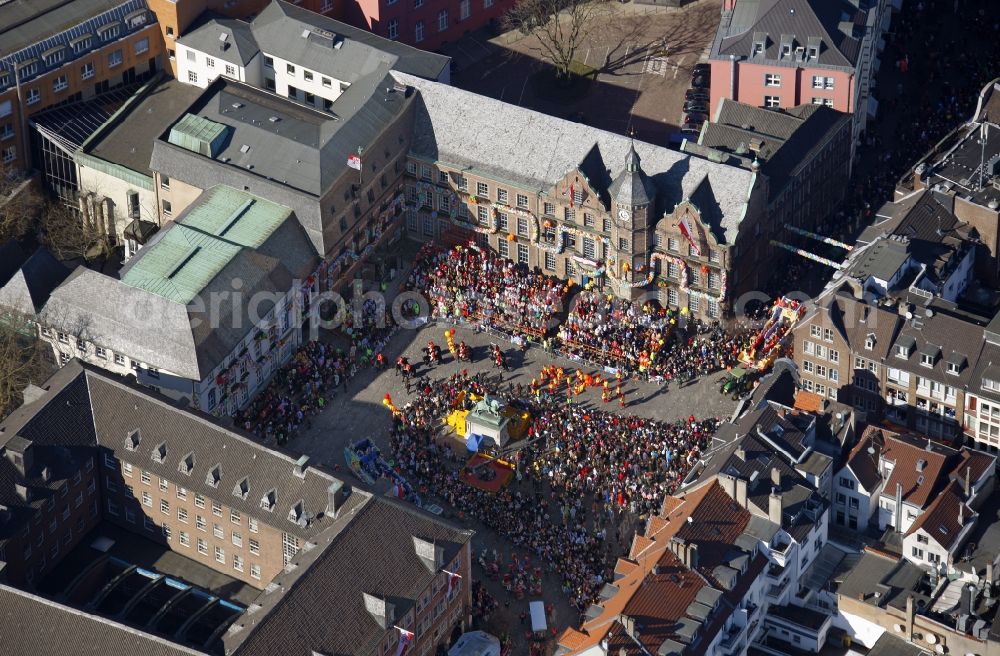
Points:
(376, 556)
(205, 35)
(102, 310)
(839, 25)
(33, 625)
(24, 22)
(12, 256)
(939, 331)
(279, 29)
(29, 288)
(787, 140)
(120, 409)
(535, 151)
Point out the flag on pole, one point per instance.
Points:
(405, 638)
(354, 161)
(452, 583)
(689, 235)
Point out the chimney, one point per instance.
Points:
(692, 556)
(741, 453)
(898, 513)
(728, 484)
(21, 454)
(989, 573)
(300, 466)
(908, 626)
(961, 514)
(336, 496)
(629, 623)
(774, 507)
(776, 477)
(968, 485)
(741, 492)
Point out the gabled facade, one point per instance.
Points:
(578, 203)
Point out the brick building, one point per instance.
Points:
(427, 24)
(56, 52)
(784, 53)
(88, 451)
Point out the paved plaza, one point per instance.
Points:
(643, 57)
(359, 413)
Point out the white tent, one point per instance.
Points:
(537, 609)
(476, 643)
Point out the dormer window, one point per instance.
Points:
(242, 488)
(133, 440)
(214, 476)
(269, 500)
(160, 452)
(869, 342)
(758, 49)
(812, 52)
(990, 384)
(786, 50)
(953, 368)
(926, 360)
(902, 351)
(187, 464)
(296, 512)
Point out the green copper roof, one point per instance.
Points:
(199, 135)
(180, 263)
(236, 216)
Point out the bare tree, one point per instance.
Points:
(20, 203)
(24, 359)
(68, 235)
(560, 26)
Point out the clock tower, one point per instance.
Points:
(633, 198)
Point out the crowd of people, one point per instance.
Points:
(653, 342)
(296, 392)
(584, 473)
(468, 283)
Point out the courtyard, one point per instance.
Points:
(641, 58)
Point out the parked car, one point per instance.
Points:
(690, 131)
(696, 94)
(691, 119)
(696, 106)
(699, 82)
(702, 69)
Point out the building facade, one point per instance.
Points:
(795, 52)
(102, 45)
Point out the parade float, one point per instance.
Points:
(775, 336)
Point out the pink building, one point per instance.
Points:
(785, 53)
(426, 24)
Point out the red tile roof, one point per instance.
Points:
(707, 505)
(976, 462)
(941, 519)
(918, 483)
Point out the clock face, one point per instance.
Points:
(624, 214)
